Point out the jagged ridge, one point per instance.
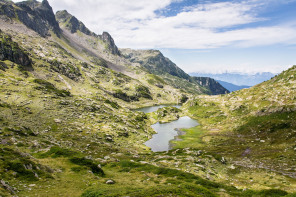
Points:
(35, 15)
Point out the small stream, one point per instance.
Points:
(166, 131)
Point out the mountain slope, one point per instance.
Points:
(157, 64)
(65, 123)
(253, 127)
(66, 128)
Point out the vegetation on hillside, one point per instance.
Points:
(66, 128)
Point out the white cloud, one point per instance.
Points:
(249, 68)
(134, 24)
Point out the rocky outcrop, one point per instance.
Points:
(72, 23)
(155, 62)
(35, 15)
(11, 51)
(6, 8)
(215, 87)
(106, 37)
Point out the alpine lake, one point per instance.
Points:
(166, 132)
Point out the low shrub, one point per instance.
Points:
(49, 87)
(88, 163)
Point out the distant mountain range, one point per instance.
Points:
(232, 87)
(239, 79)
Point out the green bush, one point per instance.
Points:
(273, 193)
(123, 96)
(182, 190)
(184, 98)
(88, 163)
(22, 172)
(49, 87)
(57, 151)
(22, 131)
(25, 168)
(143, 91)
(113, 104)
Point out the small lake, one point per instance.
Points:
(155, 108)
(167, 132)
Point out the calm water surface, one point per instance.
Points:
(167, 132)
(155, 108)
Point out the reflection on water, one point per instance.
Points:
(167, 132)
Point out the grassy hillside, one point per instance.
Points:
(66, 128)
(253, 128)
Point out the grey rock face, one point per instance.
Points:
(72, 23)
(35, 15)
(215, 87)
(10, 50)
(106, 37)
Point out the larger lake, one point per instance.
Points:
(154, 108)
(167, 132)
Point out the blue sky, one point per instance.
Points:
(199, 35)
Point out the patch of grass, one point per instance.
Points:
(128, 166)
(265, 193)
(267, 124)
(182, 190)
(193, 137)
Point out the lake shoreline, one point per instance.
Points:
(169, 132)
(177, 138)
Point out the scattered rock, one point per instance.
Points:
(106, 157)
(223, 160)
(110, 182)
(109, 138)
(7, 187)
(57, 120)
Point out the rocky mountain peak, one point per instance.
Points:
(107, 38)
(46, 4)
(37, 16)
(72, 23)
